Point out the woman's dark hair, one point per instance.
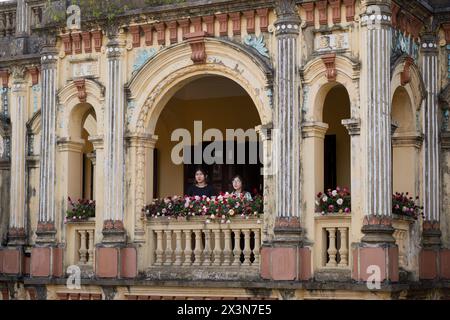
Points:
(202, 170)
(240, 178)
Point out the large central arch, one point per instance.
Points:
(172, 68)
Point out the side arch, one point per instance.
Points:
(316, 86)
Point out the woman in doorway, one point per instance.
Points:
(201, 187)
(238, 188)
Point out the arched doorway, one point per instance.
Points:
(79, 153)
(337, 160)
(205, 108)
(406, 144)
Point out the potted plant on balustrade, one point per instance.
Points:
(82, 210)
(222, 208)
(404, 206)
(334, 202)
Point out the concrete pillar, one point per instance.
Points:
(377, 250)
(284, 258)
(16, 233)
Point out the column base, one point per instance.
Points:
(375, 262)
(116, 262)
(12, 260)
(285, 258)
(430, 265)
(376, 257)
(16, 237)
(377, 230)
(113, 232)
(46, 261)
(46, 234)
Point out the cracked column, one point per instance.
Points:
(431, 235)
(281, 255)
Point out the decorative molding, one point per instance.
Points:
(4, 76)
(236, 21)
(86, 36)
(323, 12)
(405, 75)
(258, 44)
(76, 40)
(97, 35)
(349, 10)
(330, 63)
(197, 23)
(173, 31)
(209, 21)
(81, 87)
(185, 25)
(161, 33)
(148, 34)
(197, 42)
(329, 42)
(309, 9)
(136, 36)
(263, 15)
(142, 56)
(250, 18)
(335, 10)
(223, 24)
(34, 72)
(352, 125)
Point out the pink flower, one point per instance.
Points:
(347, 210)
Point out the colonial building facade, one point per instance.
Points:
(349, 93)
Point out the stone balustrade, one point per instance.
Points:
(195, 244)
(80, 243)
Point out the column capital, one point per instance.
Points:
(288, 20)
(429, 43)
(314, 129)
(376, 13)
(145, 140)
(49, 56)
(70, 145)
(97, 142)
(353, 126)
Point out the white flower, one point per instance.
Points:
(212, 216)
(334, 193)
(208, 221)
(228, 221)
(325, 199)
(222, 221)
(340, 201)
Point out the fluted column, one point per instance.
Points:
(375, 138)
(376, 32)
(431, 171)
(287, 117)
(114, 151)
(46, 221)
(16, 232)
(286, 243)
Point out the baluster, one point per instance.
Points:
(343, 250)
(188, 250)
(332, 248)
(217, 249)
(82, 249)
(247, 249)
(227, 248)
(178, 249)
(237, 248)
(207, 250)
(168, 251)
(257, 246)
(91, 247)
(198, 248)
(159, 248)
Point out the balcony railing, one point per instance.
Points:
(81, 243)
(196, 247)
(332, 234)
